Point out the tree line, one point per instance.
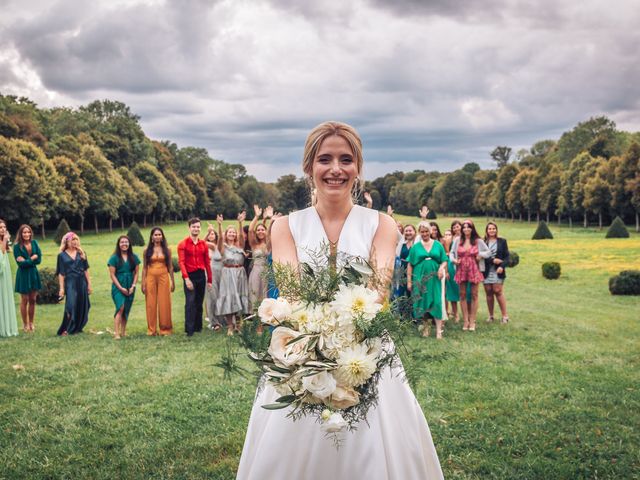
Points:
(591, 173)
(94, 165)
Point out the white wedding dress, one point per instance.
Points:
(396, 443)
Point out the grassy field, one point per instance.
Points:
(554, 394)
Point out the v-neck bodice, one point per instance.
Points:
(355, 238)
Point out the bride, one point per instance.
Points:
(395, 442)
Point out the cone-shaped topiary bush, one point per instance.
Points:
(551, 270)
(50, 286)
(514, 259)
(61, 231)
(542, 232)
(617, 229)
(135, 235)
(626, 283)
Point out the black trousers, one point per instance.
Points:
(193, 302)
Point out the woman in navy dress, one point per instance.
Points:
(75, 285)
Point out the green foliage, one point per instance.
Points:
(454, 192)
(61, 231)
(542, 232)
(551, 270)
(176, 264)
(135, 235)
(50, 286)
(625, 283)
(77, 200)
(514, 259)
(617, 229)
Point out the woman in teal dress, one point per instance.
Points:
(452, 289)
(28, 255)
(123, 269)
(8, 320)
(427, 264)
(75, 285)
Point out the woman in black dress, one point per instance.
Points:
(75, 285)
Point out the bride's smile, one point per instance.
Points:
(334, 169)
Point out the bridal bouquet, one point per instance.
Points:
(330, 341)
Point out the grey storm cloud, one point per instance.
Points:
(432, 83)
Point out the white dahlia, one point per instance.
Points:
(355, 366)
(355, 301)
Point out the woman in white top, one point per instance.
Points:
(395, 442)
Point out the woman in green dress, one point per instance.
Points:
(452, 289)
(28, 255)
(123, 269)
(8, 320)
(427, 266)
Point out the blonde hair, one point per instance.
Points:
(424, 224)
(314, 141)
(65, 241)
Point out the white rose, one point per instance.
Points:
(335, 423)
(343, 397)
(281, 310)
(265, 311)
(287, 355)
(321, 385)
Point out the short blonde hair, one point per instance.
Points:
(424, 224)
(319, 134)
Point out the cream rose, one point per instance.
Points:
(287, 355)
(320, 385)
(273, 311)
(343, 397)
(334, 424)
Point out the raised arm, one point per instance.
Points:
(220, 219)
(241, 217)
(252, 226)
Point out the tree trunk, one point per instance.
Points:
(570, 222)
(528, 216)
(82, 224)
(110, 225)
(153, 218)
(144, 220)
(95, 222)
(585, 219)
(637, 222)
(513, 219)
(547, 216)
(559, 219)
(520, 216)
(122, 222)
(42, 230)
(538, 216)
(600, 221)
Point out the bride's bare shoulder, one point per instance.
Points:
(386, 225)
(282, 243)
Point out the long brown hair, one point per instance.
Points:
(486, 231)
(6, 232)
(118, 253)
(148, 252)
(19, 239)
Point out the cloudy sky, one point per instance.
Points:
(430, 84)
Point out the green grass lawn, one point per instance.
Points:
(553, 394)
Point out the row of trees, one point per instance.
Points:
(95, 162)
(592, 171)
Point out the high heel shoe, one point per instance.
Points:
(465, 325)
(505, 320)
(472, 327)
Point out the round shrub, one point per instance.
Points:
(626, 282)
(551, 270)
(176, 265)
(50, 286)
(617, 229)
(61, 231)
(514, 259)
(135, 235)
(542, 232)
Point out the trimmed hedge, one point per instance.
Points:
(135, 235)
(551, 270)
(542, 232)
(50, 286)
(626, 282)
(514, 259)
(61, 231)
(617, 229)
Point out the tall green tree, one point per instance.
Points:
(75, 203)
(454, 192)
(139, 199)
(550, 191)
(501, 155)
(165, 193)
